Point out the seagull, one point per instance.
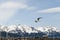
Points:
(37, 20)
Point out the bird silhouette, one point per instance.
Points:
(37, 20)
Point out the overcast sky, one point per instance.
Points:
(26, 11)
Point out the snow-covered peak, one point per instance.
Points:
(26, 29)
(11, 27)
(46, 29)
(3, 28)
(40, 29)
(17, 28)
(50, 28)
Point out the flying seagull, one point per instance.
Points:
(37, 20)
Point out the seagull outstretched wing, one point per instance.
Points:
(37, 20)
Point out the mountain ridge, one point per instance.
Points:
(27, 29)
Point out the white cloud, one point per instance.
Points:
(31, 8)
(8, 9)
(13, 5)
(6, 14)
(50, 10)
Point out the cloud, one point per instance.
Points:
(13, 5)
(6, 14)
(8, 9)
(18, 5)
(50, 10)
(31, 8)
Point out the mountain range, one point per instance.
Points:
(28, 31)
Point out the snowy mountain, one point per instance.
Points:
(16, 28)
(27, 29)
(24, 30)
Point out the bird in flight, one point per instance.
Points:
(38, 19)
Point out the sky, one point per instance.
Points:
(26, 11)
